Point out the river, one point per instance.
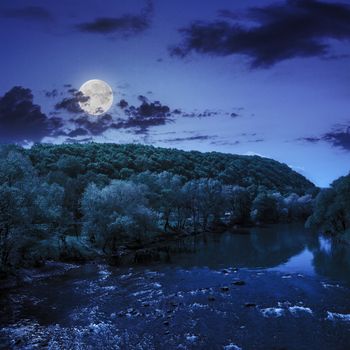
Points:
(279, 287)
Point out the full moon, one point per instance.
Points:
(99, 97)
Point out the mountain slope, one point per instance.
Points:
(122, 161)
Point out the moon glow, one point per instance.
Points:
(99, 97)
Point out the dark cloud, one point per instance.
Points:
(22, 120)
(31, 13)
(146, 115)
(190, 138)
(239, 139)
(142, 98)
(94, 126)
(244, 134)
(143, 124)
(56, 123)
(78, 132)
(137, 119)
(338, 137)
(256, 140)
(208, 113)
(296, 28)
(152, 109)
(71, 103)
(225, 143)
(127, 24)
(202, 114)
(310, 139)
(52, 93)
(123, 104)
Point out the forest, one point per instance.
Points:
(331, 211)
(76, 201)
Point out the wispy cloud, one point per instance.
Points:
(29, 13)
(189, 138)
(339, 137)
(128, 24)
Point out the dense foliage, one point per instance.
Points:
(122, 161)
(71, 201)
(332, 208)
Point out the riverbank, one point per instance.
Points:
(129, 253)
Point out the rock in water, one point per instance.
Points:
(250, 305)
(238, 283)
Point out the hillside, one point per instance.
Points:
(122, 161)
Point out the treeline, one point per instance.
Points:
(56, 204)
(332, 209)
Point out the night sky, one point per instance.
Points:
(249, 77)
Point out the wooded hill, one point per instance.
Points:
(122, 161)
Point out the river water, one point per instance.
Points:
(279, 287)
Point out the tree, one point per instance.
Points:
(238, 204)
(332, 208)
(169, 196)
(116, 211)
(204, 202)
(211, 204)
(30, 210)
(190, 192)
(264, 208)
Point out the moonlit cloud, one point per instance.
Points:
(71, 103)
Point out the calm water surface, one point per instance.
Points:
(279, 287)
(284, 248)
